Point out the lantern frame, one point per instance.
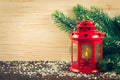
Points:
(86, 35)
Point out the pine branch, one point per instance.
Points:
(81, 13)
(111, 46)
(102, 20)
(63, 22)
(116, 25)
(104, 23)
(110, 63)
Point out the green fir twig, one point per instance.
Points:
(64, 23)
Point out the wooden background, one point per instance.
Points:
(27, 31)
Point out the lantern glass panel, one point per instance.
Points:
(75, 51)
(86, 51)
(98, 52)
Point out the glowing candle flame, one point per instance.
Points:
(86, 53)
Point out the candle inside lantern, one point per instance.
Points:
(86, 53)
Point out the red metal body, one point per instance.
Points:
(86, 48)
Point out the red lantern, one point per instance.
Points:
(86, 48)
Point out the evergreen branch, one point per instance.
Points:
(102, 20)
(80, 12)
(103, 23)
(63, 22)
(110, 63)
(116, 25)
(111, 46)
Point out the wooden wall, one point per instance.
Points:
(27, 31)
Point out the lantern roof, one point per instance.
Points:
(86, 31)
(85, 23)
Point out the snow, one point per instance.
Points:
(44, 68)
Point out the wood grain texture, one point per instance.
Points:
(27, 31)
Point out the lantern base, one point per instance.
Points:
(84, 69)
